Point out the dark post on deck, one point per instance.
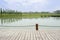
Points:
(36, 26)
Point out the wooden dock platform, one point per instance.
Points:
(7, 34)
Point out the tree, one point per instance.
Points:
(57, 11)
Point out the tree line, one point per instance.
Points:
(2, 11)
(6, 11)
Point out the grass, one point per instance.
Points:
(26, 15)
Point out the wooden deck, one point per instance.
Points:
(6, 34)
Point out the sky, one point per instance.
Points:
(30, 5)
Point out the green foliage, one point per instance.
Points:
(16, 14)
(57, 11)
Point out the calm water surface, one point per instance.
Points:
(49, 22)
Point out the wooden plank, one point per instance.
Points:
(29, 35)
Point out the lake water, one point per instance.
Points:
(49, 22)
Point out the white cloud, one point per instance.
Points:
(12, 1)
(26, 2)
(35, 1)
(21, 4)
(56, 8)
(29, 2)
(30, 5)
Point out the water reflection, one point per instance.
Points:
(30, 21)
(56, 18)
(8, 20)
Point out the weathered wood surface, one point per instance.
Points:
(6, 34)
